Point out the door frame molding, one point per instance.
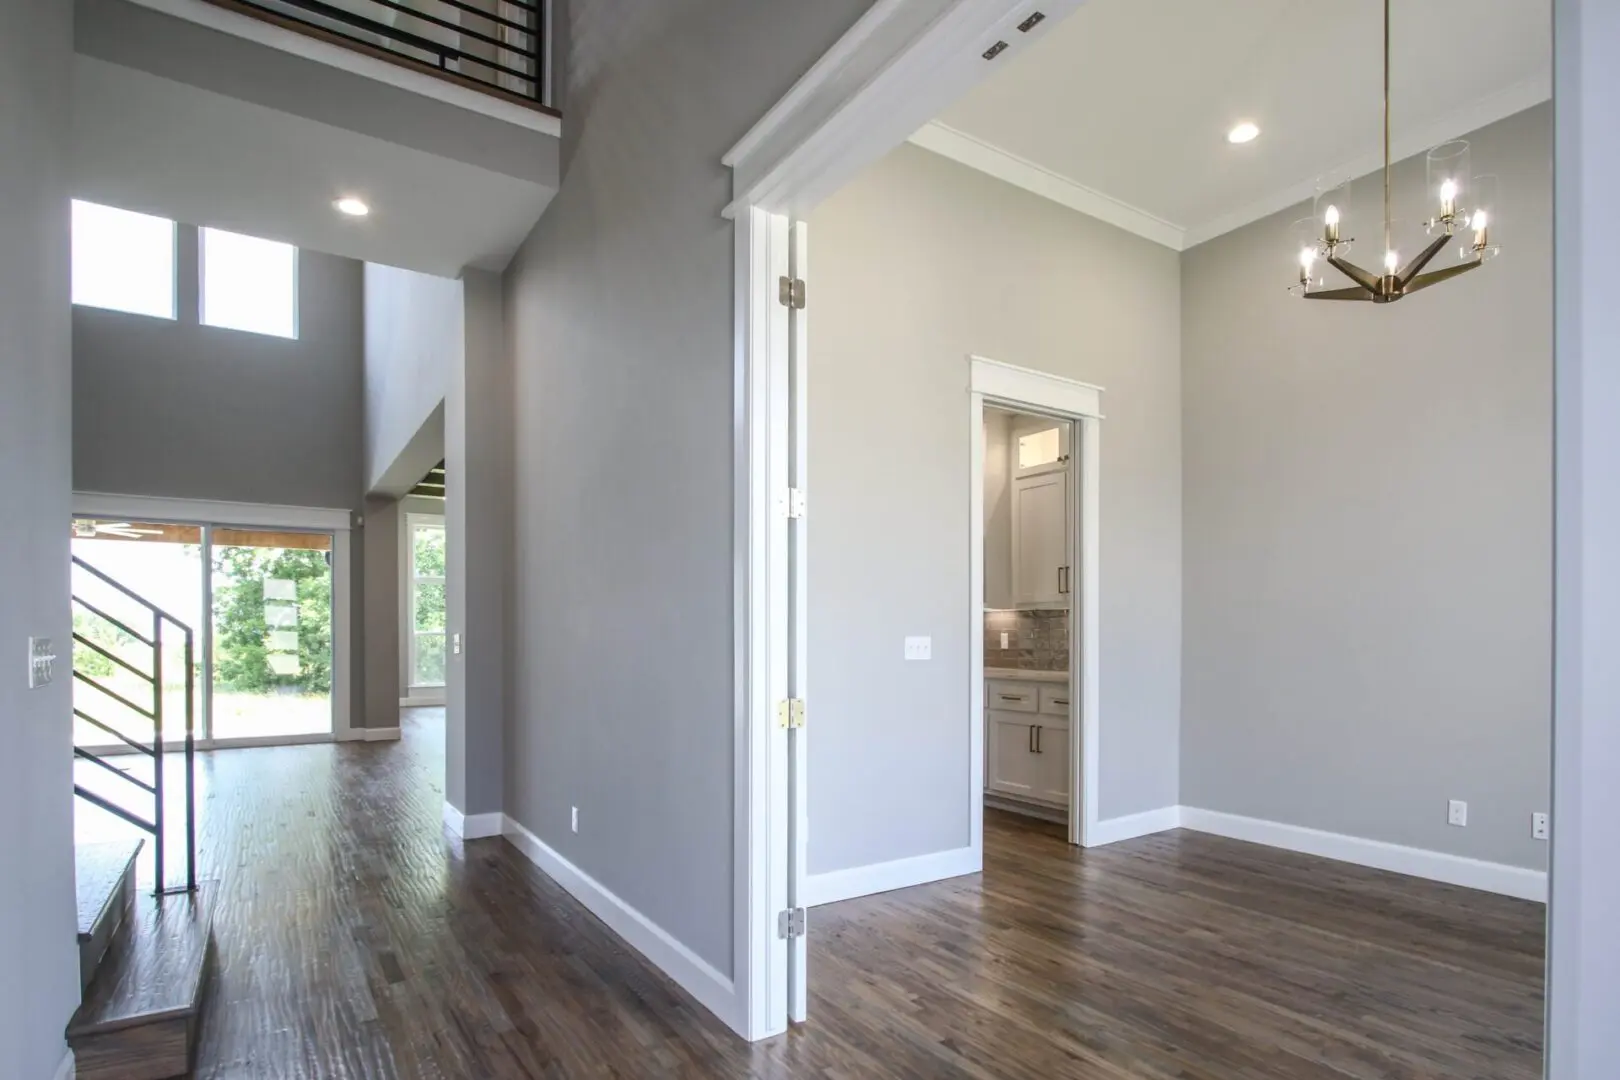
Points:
(992, 382)
(205, 513)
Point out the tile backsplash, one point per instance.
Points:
(1036, 640)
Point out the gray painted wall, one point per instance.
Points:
(478, 523)
(623, 377)
(1583, 988)
(917, 263)
(1368, 552)
(40, 987)
(380, 611)
(413, 339)
(174, 408)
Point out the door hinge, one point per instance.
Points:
(795, 503)
(790, 923)
(790, 291)
(790, 713)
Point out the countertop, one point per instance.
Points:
(1026, 676)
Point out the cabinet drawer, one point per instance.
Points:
(1055, 700)
(1012, 696)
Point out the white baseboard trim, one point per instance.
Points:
(65, 1070)
(1436, 866)
(1129, 827)
(369, 734)
(473, 826)
(836, 885)
(695, 975)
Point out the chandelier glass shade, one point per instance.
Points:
(1461, 210)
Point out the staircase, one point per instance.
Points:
(144, 957)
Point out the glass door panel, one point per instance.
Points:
(272, 633)
(162, 563)
(427, 658)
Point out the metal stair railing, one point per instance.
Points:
(153, 715)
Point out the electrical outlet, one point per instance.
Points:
(1004, 639)
(919, 648)
(1540, 829)
(41, 662)
(1457, 813)
(455, 644)
(575, 818)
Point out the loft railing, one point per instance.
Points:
(152, 676)
(497, 46)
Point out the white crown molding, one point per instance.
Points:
(994, 161)
(1487, 110)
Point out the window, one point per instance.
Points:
(427, 657)
(123, 261)
(249, 284)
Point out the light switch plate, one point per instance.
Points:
(1540, 827)
(455, 644)
(1004, 636)
(41, 662)
(919, 648)
(1457, 813)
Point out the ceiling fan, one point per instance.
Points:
(88, 530)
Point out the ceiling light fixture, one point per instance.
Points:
(351, 206)
(1247, 131)
(1465, 202)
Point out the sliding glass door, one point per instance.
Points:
(271, 633)
(259, 602)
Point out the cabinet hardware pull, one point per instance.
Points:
(1060, 701)
(1038, 749)
(1031, 739)
(1011, 697)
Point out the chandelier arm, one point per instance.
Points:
(1410, 270)
(1434, 277)
(1354, 273)
(1355, 292)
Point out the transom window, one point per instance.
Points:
(249, 284)
(123, 261)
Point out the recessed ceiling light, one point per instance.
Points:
(352, 206)
(1244, 132)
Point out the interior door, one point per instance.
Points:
(798, 624)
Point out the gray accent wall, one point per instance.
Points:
(478, 524)
(413, 336)
(1367, 533)
(40, 987)
(916, 264)
(173, 408)
(624, 374)
(1583, 985)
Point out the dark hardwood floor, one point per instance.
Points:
(357, 940)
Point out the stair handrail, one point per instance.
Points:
(156, 751)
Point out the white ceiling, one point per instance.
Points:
(1122, 111)
(146, 143)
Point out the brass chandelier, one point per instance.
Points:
(1465, 203)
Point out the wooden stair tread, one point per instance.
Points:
(156, 971)
(99, 871)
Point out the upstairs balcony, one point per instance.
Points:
(498, 47)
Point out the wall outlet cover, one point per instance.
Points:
(1457, 813)
(1004, 638)
(919, 648)
(574, 818)
(1540, 827)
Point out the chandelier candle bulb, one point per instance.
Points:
(1392, 261)
(1330, 227)
(1448, 200)
(1481, 233)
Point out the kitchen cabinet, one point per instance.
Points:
(1040, 540)
(1027, 741)
(1039, 446)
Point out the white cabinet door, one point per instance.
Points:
(1012, 768)
(1052, 764)
(1040, 507)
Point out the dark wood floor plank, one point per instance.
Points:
(356, 941)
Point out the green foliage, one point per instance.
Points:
(242, 630)
(103, 633)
